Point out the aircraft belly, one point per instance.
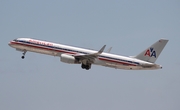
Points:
(37, 50)
(120, 66)
(114, 65)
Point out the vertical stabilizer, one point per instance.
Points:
(152, 53)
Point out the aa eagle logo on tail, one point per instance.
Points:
(150, 52)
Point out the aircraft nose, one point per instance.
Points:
(10, 44)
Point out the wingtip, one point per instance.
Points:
(102, 49)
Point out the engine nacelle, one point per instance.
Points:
(69, 59)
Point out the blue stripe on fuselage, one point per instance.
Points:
(70, 50)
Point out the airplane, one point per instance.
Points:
(86, 57)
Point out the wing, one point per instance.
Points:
(90, 57)
(109, 50)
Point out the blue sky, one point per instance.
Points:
(42, 82)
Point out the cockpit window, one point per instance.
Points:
(15, 40)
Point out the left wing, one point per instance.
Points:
(90, 57)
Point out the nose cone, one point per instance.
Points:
(10, 43)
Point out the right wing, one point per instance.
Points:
(90, 57)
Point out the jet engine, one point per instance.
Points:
(69, 59)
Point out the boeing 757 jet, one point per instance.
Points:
(74, 55)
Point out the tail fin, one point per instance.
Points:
(152, 53)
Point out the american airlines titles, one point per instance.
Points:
(41, 42)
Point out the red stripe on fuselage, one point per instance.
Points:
(41, 47)
(47, 48)
(115, 61)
